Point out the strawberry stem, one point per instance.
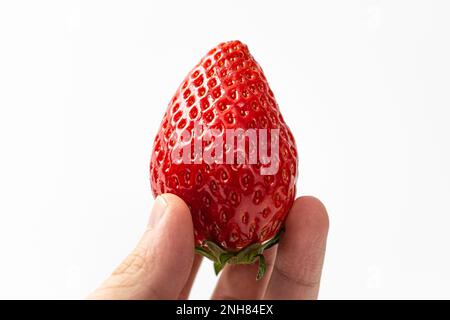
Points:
(247, 255)
(261, 267)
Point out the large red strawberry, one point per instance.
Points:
(237, 210)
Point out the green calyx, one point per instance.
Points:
(247, 255)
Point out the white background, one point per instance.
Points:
(364, 86)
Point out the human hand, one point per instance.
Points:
(163, 265)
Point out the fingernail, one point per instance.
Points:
(159, 207)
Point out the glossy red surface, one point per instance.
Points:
(231, 204)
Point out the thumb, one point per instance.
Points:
(159, 266)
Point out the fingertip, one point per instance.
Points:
(301, 251)
(160, 265)
(170, 248)
(179, 214)
(177, 228)
(175, 202)
(309, 212)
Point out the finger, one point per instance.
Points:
(187, 287)
(239, 282)
(159, 267)
(298, 265)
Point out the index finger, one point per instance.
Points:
(298, 265)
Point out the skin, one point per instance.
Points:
(163, 266)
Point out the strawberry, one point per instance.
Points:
(237, 209)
